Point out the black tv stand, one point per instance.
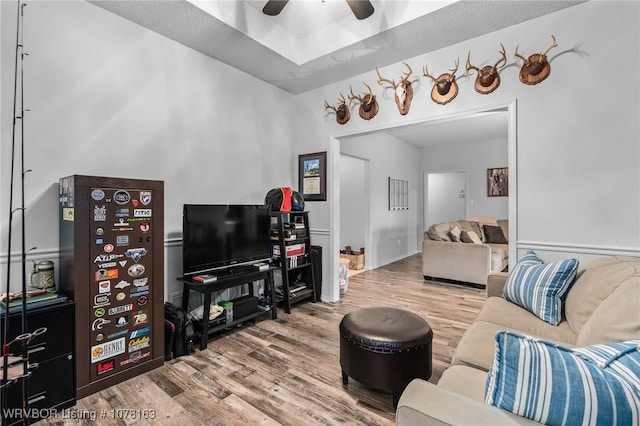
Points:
(223, 282)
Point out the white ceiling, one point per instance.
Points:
(312, 43)
(479, 127)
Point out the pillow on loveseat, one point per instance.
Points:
(470, 237)
(494, 234)
(555, 385)
(439, 232)
(540, 287)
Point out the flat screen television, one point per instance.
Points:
(220, 236)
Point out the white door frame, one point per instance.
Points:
(333, 163)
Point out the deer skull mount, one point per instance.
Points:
(536, 67)
(342, 110)
(403, 90)
(368, 103)
(488, 78)
(445, 87)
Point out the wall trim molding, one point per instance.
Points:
(54, 253)
(320, 232)
(590, 249)
(32, 255)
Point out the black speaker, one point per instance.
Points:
(316, 264)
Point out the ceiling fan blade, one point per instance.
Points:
(274, 7)
(361, 8)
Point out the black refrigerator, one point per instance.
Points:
(112, 266)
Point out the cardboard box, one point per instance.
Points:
(356, 259)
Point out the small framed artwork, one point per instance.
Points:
(312, 176)
(498, 182)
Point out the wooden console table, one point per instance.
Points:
(224, 282)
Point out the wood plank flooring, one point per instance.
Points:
(287, 371)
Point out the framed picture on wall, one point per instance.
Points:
(498, 182)
(398, 194)
(312, 176)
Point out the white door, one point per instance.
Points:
(446, 197)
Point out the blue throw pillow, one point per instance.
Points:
(554, 385)
(540, 287)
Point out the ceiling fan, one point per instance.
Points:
(362, 9)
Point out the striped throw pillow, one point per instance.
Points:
(554, 385)
(540, 287)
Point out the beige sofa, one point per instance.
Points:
(603, 305)
(448, 250)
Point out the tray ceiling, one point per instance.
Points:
(313, 43)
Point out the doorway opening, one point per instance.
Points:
(354, 207)
(445, 196)
(333, 163)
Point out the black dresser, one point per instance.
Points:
(52, 385)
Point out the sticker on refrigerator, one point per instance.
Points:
(140, 318)
(107, 350)
(141, 212)
(100, 213)
(136, 253)
(136, 270)
(106, 366)
(121, 197)
(106, 257)
(139, 343)
(120, 309)
(98, 323)
(67, 214)
(145, 197)
(102, 274)
(104, 287)
(97, 194)
(135, 357)
(101, 300)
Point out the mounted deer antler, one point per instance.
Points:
(342, 111)
(445, 87)
(403, 90)
(368, 104)
(488, 78)
(536, 67)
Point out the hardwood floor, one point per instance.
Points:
(287, 371)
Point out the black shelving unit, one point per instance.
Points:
(206, 327)
(291, 252)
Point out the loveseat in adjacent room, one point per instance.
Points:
(465, 250)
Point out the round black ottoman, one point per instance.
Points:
(385, 348)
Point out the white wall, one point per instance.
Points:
(577, 142)
(353, 199)
(443, 194)
(393, 233)
(111, 98)
(475, 157)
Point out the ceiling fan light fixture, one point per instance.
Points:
(274, 7)
(362, 9)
